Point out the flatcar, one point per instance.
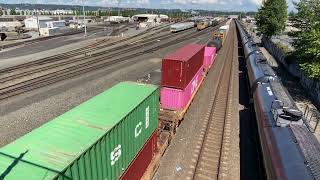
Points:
(290, 150)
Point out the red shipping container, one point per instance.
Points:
(180, 67)
(141, 162)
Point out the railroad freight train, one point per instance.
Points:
(99, 139)
(202, 25)
(113, 135)
(290, 150)
(221, 33)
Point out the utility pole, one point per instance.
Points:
(38, 23)
(118, 7)
(84, 20)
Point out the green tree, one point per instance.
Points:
(1, 12)
(13, 12)
(272, 17)
(242, 15)
(291, 13)
(307, 38)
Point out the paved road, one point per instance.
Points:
(50, 44)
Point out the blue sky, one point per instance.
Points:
(226, 5)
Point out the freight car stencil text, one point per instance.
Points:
(147, 117)
(137, 130)
(115, 154)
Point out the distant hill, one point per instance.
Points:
(95, 8)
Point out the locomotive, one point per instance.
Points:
(290, 150)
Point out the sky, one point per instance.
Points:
(225, 5)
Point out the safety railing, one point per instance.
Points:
(312, 118)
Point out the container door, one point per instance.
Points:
(172, 74)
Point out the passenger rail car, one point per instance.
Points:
(290, 150)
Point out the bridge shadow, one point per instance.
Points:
(19, 159)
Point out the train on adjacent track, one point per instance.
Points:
(202, 25)
(290, 150)
(199, 24)
(181, 26)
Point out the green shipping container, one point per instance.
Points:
(96, 140)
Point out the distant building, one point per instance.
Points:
(32, 23)
(49, 31)
(62, 12)
(9, 23)
(116, 19)
(149, 17)
(233, 16)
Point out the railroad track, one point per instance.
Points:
(87, 49)
(116, 51)
(87, 66)
(213, 151)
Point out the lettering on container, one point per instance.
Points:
(194, 85)
(269, 91)
(115, 155)
(147, 117)
(138, 130)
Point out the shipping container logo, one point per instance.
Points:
(147, 117)
(115, 155)
(138, 130)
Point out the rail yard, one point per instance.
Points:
(194, 99)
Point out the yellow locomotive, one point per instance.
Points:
(221, 33)
(202, 25)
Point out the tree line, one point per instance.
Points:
(272, 19)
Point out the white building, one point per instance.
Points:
(49, 31)
(10, 25)
(116, 19)
(62, 12)
(32, 23)
(149, 17)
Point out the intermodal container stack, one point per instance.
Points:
(182, 72)
(98, 139)
(140, 164)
